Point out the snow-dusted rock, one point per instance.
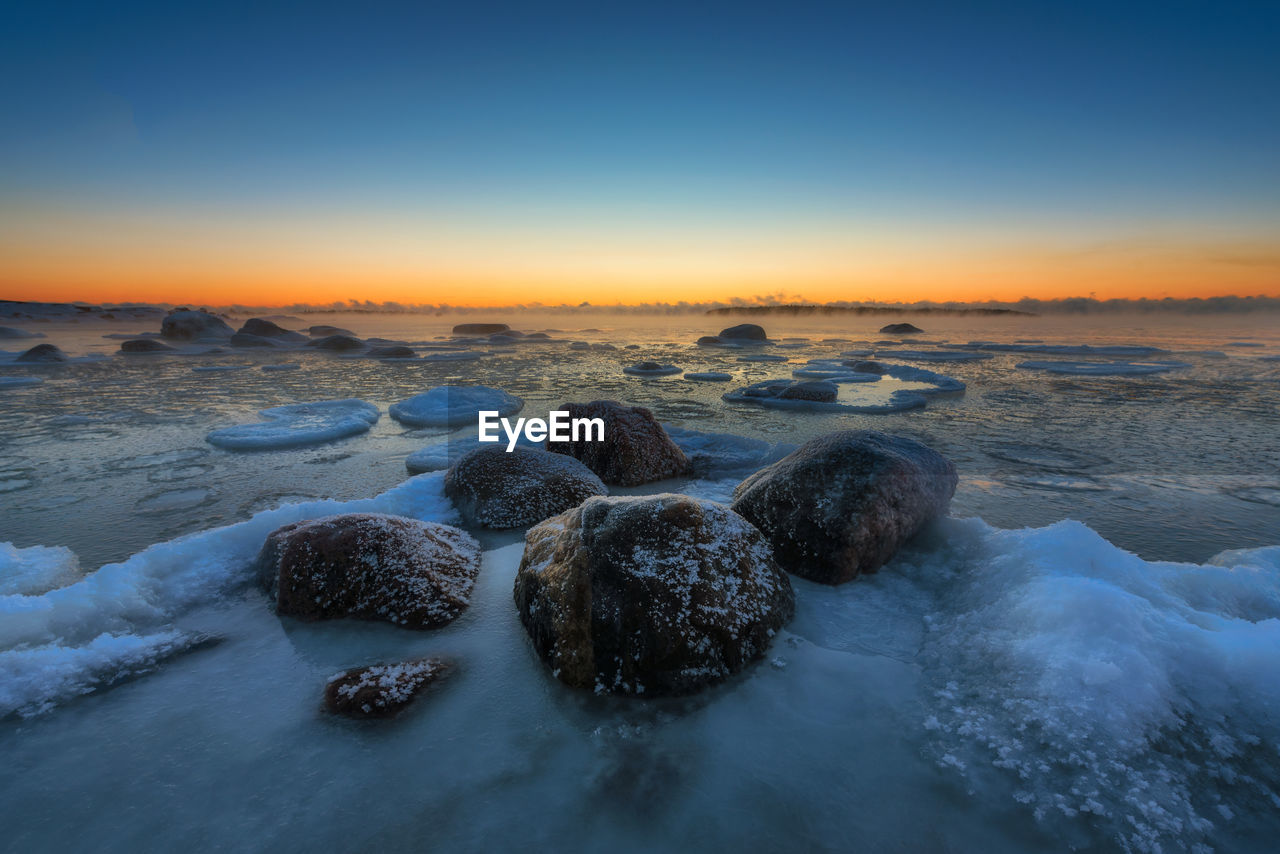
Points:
(499, 489)
(183, 324)
(744, 332)
(145, 345)
(43, 354)
(842, 504)
(635, 448)
(649, 595)
(298, 424)
(454, 405)
(381, 690)
(370, 566)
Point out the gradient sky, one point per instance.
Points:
(486, 153)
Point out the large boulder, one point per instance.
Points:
(381, 690)
(499, 489)
(183, 324)
(900, 329)
(842, 504)
(635, 448)
(145, 345)
(653, 595)
(42, 354)
(370, 566)
(744, 332)
(266, 329)
(480, 328)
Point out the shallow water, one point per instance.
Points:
(943, 704)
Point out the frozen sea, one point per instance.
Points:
(1087, 655)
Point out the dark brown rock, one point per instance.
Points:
(381, 690)
(744, 331)
(372, 567)
(635, 448)
(652, 595)
(842, 504)
(499, 489)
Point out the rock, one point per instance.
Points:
(819, 390)
(497, 489)
(480, 328)
(501, 340)
(865, 367)
(337, 343)
(842, 504)
(537, 336)
(266, 329)
(635, 448)
(246, 339)
(145, 345)
(381, 690)
(325, 331)
(579, 345)
(370, 566)
(900, 329)
(747, 331)
(10, 333)
(183, 324)
(42, 353)
(709, 341)
(654, 595)
(397, 351)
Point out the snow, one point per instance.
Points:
(1104, 369)
(36, 569)
(454, 405)
(64, 642)
(441, 455)
(298, 424)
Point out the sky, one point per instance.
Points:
(496, 154)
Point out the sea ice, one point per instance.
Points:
(441, 455)
(650, 369)
(762, 357)
(940, 356)
(298, 424)
(35, 570)
(454, 405)
(1104, 369)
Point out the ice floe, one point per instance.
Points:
(650, 369)
(940, 356)
(1104, 369)
(453, 405)
(298, 424)
(35, 570)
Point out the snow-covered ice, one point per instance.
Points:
(298, 424)
(35, 570)
(454, 405)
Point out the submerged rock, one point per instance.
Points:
(337, 343)
(635, 448)
(42, 353)
(183, 324)
(372, 567)
(381, 690)
(654, 595)
(500, 489)
(842, 504)
(145, 345)
(900, 329)
(480, 328)
(266, 329)
(744, 331)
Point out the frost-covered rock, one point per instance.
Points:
(298, 424)
(145, 345)
(500, 489)
(261, 328)
(372, 567)
(42, 354)
(381, 690)
(480, 328)
(743, 332)
(337, 343)
(183, 324)
(842, 504)
(653, 595)
(454, 405)
(900, 329)
(635, 448)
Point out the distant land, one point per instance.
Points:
(803, 309)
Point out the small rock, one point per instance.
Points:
(381, 690)
(392, 352)
(900, 329)
(42, 354)
(145, 345)
(817, 390)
